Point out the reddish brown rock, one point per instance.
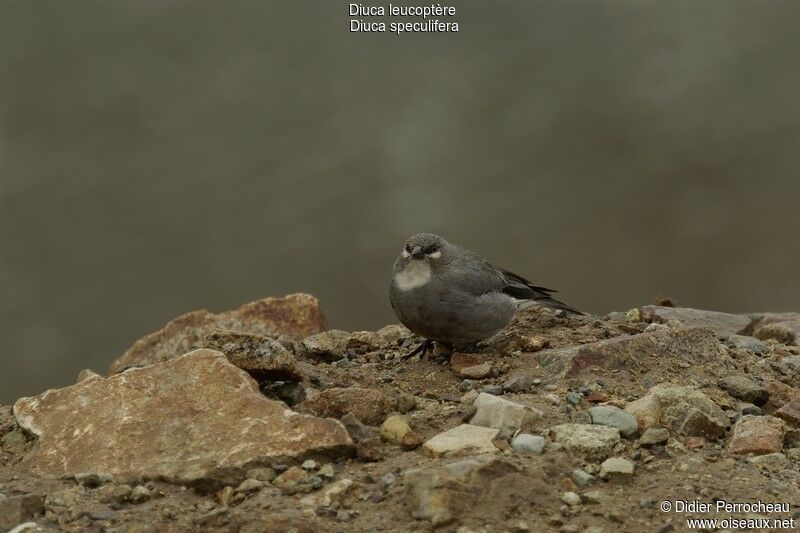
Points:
(481, 371)
(296, 316)
(779, 395)
(194, 419)
(720, 323)
(260, 356)
(370, 406)
(757, 435)
(790, 413)
(460, 361)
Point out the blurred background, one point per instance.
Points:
(163, 156)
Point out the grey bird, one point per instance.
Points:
(451, 295)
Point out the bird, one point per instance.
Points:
(453, 296)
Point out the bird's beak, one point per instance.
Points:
(416, 252)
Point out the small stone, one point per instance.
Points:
(387, 481)
(294, 480)
(609, 415)
(750, 409)
(588, 441)
(327, 471)
(746, 343)
(465, 385)
(370, 406)
(571, 498)
(771, 461)
(744, 388)
(597, 397)
(121, 493)
(316, 482)
(527, 443)
(582, 478)
(552, 398)
(139, 494)
(495, 390)
(87, 374)
(395, 430)
(309, 464)
(464, 439)
(249, 485)
(758, 435)
(519, 383)
(406, 403)
(617, 469)
(289, 392)
(330, 345)
(654, 436)
(495, 412)
(481, 371)
(261, 356)
(574, 398)
(265, 475)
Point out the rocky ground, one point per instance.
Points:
(262, 419)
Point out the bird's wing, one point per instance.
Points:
(521, 289)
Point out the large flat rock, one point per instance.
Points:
(193, 419)
(690, 346)
(296, 316)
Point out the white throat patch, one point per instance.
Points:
(415, 274)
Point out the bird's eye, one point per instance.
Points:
(431, 249)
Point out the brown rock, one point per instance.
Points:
(790, 413)
(370, 406)
(326, 346)
(779, 395)
(194, 419)
(690, 345)
(597, 397)
(367, 440)
(720, 323)
(296, 316)
(294, 480)
(758, 435)
(15, 510)
(262, 357)
(783, 327)
(481, 371)
(460, 361)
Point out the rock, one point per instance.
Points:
(406, 403)
(294, 480)
(585, 440)
(361, 342)
(494, 390)
(518, 383)
(571, 498)
(17, 509)
(749, 409)
(462, 440)
(441, 493)
(744, 388)
(496, 412)
(720, 323)
(260, 356)
(527, 443)
(654, 436)
(368, 405)
(582, 478)
(125, 426)
(774, 462)
(87, 374)
(757, 435)
(395, 430)
(790, 413)
(265, 475)
(327, 346)
(692, 346)
(779, 395)
(616, 469)
(394, 334)
(609, 415)
(646, 410)
(296, 316)
(460, 361)
(743, 342)
(783, 328)
(289, 392)
(249, 485)
(367, 440)
(790, 365)
(327, 471)
(684, 410)
(481, 371)
(574, 398)
(309, 464)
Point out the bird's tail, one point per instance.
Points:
(548, 301)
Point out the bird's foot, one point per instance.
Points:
(470, 348)
(423, 348)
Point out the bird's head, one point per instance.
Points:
(423, 247)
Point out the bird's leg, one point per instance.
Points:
(470, 348)
(423, 348)
(442, 351)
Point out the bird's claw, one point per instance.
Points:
(423, 348)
